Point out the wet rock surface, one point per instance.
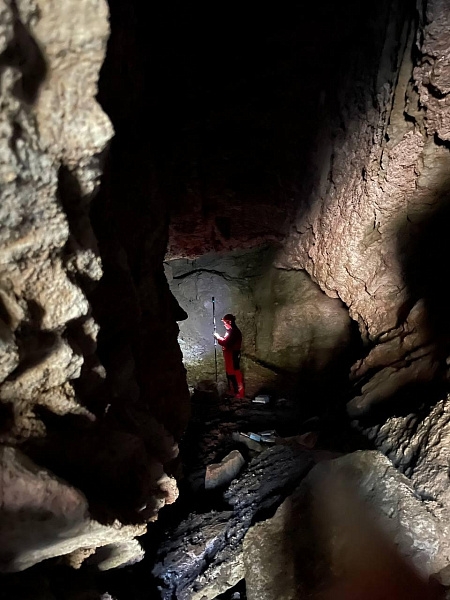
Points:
(202, 557)
(204, 541)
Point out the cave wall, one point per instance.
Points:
(371, 233)
(90, 419)
(131, 219)
(82, 447)
(293, 334)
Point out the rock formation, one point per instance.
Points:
(308, 192)
(292, 332)
(353, 519)
(371, 233)
(77, 462)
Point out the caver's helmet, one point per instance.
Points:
(229, 317)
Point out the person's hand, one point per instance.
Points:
(216, 335)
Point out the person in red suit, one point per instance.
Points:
(231, 344)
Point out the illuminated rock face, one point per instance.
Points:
(353, 522)
(53, 136)
(372, 232)
(370, 201)
(293, 334)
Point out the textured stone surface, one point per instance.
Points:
(418, 444)
(52, 131)
(198, 551)
(371, 230)
(122, 554)
(343, 514)
(55, 395)
(220, 578)
(289, 325)
(58, 365)
(219, 474)
(43, 517)
(9, 356)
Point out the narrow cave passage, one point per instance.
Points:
(291, 164)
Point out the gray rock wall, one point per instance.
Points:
(292, 331)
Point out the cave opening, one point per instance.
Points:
(292, 164)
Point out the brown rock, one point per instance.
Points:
(348, 516)
(219, 474)
(43, 517)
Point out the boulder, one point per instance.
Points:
(219, 474)
(349, 516)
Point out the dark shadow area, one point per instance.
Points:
(223, 107)
(54, 580)
(24, 54)
(319, 391)
(6, 417)
(424, 250)
(413, 398)
(34, 344)
(108, 465)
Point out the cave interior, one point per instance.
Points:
(163, 165)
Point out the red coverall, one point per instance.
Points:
(231, 344)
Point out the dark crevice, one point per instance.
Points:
(24, 53)
(440, 142)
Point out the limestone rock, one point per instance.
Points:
(53, 134)
(9, 355)
(421, 368)
(13, 311)
(288, 323)
(220, 578)
(327, 528)
(371, 231)
(219, 474)
(37, 509)
(298, 327)
(122, 554)
(59, 364)
(195, 556)
(71, 123)
(52, 130)
(43, 516)
(268, 572)
(418, 444)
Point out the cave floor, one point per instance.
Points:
(218, 426)
(213, 432)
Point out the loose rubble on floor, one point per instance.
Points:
(259, 479)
